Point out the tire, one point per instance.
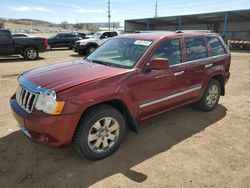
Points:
(31, 53)
(80, 53)
(49, 47)
(210, 97)
(92, 134)
(90, 49)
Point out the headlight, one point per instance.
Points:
(47, 103)
(83, 43)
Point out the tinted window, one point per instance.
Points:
(196, 49)
(69, 35)
(113, 34)
(60, 36)
(171, 50)
(105, 35)
(4, 38)
(216, 46)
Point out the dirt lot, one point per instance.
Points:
(181, 148)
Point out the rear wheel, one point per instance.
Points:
(31, 53)
(49, 47)
(211, 96)
(100, 132)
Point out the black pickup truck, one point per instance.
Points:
(28, 47)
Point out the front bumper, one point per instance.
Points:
(79, 48)
(52, 131)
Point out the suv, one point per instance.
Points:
(90, 103)
(63, 40)
(87, 46)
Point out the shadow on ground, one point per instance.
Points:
(77, 55)
(16, 59)
(26, 164)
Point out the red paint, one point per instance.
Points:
(82, 84)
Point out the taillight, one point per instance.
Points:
(45, 42)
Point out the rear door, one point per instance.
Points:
(160, 90)
(6, 44)
(197, 62)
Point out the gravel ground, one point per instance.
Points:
(181, 148)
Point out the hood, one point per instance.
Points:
(69, 74)
(87, 40)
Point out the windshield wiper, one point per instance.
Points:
(100, 62)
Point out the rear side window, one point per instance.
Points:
(4, 38)
(196, 49)
(216, 46)
(171, 50)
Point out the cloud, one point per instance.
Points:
(29, 9)
(79, 9)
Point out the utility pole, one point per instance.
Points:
(156, 8)
(109, 13)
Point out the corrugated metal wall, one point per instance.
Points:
(235, 30)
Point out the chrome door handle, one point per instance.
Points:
(178, 73)
(208, 65)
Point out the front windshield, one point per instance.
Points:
(120, 52)
(52, 36)
(96, 35)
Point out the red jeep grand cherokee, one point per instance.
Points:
(90, 103)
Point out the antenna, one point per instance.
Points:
(109, 13)
(156, 8)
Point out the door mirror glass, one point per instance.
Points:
(158, 63)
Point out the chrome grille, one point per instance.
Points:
(26, 99)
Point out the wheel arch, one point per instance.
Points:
(220, 79)
(26, 47)
(92, 44)
(122, 108)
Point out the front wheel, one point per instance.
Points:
(31, 53)
(211, 96)
(90, 49)
(100, 132)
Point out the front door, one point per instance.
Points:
(160, 90)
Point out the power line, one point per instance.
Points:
(109, 13)
(156, 8)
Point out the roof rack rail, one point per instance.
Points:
(201, 31)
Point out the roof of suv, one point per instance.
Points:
(162, 34)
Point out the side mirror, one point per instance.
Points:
(157, 64)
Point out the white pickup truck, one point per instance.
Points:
(87, 46)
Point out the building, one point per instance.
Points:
(232, 25)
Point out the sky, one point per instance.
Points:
(74, 11)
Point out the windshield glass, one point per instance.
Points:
(52, 36)
(120, 52)
(96, 35)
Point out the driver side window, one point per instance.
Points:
(171, 50)
(105, 35)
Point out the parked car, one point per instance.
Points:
(17, 35)
(28, 47)
(63, 40)
(87, 46)
(90, 103)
